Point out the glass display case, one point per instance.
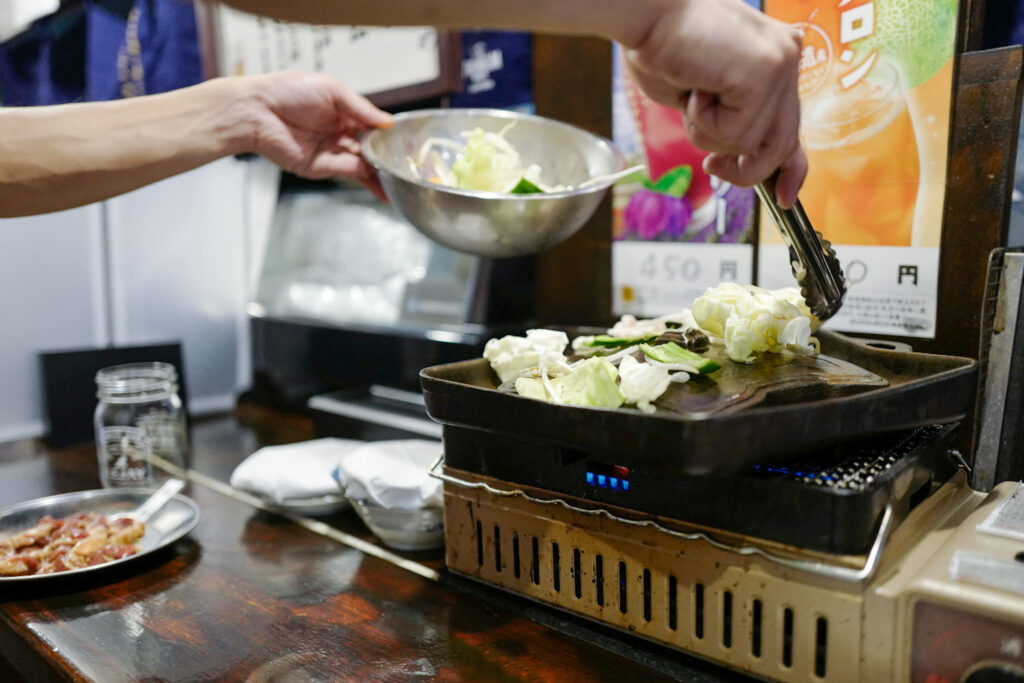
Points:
(350, 298)
(341, 256)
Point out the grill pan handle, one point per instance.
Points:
(822, 569)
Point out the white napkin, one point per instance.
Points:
(294, 471)
(394, 474)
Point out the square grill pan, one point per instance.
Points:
(780, 424)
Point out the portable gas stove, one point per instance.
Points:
(933, 600)
(861, 559)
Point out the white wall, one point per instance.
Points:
(177, 253)
(178, 264)
(16, 15)
(51, 297)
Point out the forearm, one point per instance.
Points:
(731, 70)
(627, 21)
(60, 157)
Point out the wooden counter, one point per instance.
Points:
(254, 595)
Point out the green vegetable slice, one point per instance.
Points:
(674, 353)
(524, 186)
(608, 340)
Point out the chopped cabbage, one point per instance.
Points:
(584, 345)
(510, 355)
(747, 319)
(590, 383)
(642, 383)
(751, 319)
(489, 164)
(532, 388)
(630, 326)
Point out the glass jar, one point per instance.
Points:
(139, 416)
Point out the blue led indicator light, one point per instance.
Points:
(617, 483)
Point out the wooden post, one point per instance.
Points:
(573, 83)
(979, 184)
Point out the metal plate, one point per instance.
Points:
(175, 519)
(922, 389)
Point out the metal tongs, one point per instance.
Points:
(811, 256)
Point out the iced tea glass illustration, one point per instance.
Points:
(864, 167)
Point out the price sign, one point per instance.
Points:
(651, 279)
(890, 292)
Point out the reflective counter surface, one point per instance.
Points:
(253, 595)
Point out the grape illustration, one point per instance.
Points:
(739, 215)
(650, 214)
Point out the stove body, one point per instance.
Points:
(829, 500)
(797, 600)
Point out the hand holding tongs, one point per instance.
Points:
(814, 262)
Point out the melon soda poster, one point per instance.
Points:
(875, 85)
(876, 80)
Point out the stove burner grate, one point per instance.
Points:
(856, 471)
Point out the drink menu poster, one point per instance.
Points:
(676, 229)
(876, 93)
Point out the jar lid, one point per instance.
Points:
(135, 381)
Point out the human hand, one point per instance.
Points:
(309, 124)
(733, 72)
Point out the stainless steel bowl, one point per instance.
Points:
(492, 223)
